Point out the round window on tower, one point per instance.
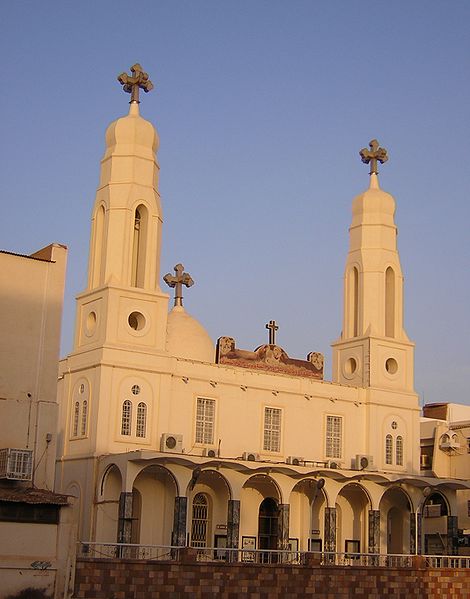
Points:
(90, 324)
(136, 321)
(391, 366)
(350, 366)
(135, 389)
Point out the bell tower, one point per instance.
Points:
(123, 304)
(374, 350)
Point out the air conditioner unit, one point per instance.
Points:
(250, 456)
(333, 464)
(364, 462)
(295, 460)
(171, 443)
(210, 453)
(16, 464)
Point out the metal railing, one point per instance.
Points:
(264, 556)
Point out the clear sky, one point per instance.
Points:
(261, 107)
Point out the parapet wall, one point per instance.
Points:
(137, 579)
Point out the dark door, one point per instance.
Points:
(268, 526)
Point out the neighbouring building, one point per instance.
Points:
(445, 453)
(36, 524)
(168, 439)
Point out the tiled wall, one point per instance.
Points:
(128, 579)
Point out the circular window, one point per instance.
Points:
(135, 389)
(394, 425)
(391, 366)
(350, 366)
(81, 389)
(136, 321)
(90, 323)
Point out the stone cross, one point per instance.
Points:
(273, 327)
(373, 155)
(177, 281)
(132, 83)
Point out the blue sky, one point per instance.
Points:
(261, 108)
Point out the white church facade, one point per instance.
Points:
(167, 439)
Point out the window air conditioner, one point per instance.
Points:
(333, 464)
(171, 443)
(364, 462)
(209, 453)
(250, 456)
(295, 460)
(16, 464)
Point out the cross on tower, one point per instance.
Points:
(373, 155)
(273, 327)
(177, 281)
(132, 83)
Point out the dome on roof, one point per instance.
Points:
(132, 134)
(187, 338)
(373, 206)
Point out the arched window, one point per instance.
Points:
(126, 420)
(138, 247)
(389, 302)
(98, 257)
(399, 451)
(141, 419)
(200, 521)
(84, 417)
(355, 302)
(76, 415)
(388, 449)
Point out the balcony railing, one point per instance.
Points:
(264, 556)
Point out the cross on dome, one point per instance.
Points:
(374, 155)
(272, 327)
(177, 281)
(132, 83)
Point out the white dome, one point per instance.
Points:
(187, 338)
(132, 134)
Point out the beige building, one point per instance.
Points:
(166, 439)
(36, 526)
(445, 453)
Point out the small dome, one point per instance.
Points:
(373, 206)
(133, 135)
(187, 338)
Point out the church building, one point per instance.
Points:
(167, 438)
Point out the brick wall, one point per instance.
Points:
(132, 579)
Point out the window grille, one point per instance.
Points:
(141, 419)
(84, 417)
(200, 521)
(399, 451)
(334, 436)
(205, 417)
(76, 415)
(389, 449)
(272, 429)
(126, 420)
(16, 464)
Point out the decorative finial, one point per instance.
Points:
(132, 83)
(373, 155)
(273, 327)
(181, 278)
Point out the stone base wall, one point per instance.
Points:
(132, 579)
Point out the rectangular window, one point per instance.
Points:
(334, 436)
(205, 420)
(272, 429)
